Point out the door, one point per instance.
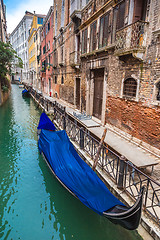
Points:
(98, 92)
(78, 93)
(139, 10)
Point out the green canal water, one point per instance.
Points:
(33, 204)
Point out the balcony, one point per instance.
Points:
(74, 59)
(131, 39)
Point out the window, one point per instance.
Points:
(118, 18)
(130, 87)
(62, 54)
(56, 17)
(93, 38)
(48, 26)
(40, 20)
(62, 13)
(55, 79)
(44, 49)
(49, 60)
(104, 30)
(84, 40)
(62, 80)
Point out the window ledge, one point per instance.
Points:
(156, 103)
(127, 98)
(104, 49)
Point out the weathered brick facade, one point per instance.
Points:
(127, 55)
(64, 43)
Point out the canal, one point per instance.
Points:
(33, 204)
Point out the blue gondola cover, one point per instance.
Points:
(24, 91)
(74, 172)
(46, 123)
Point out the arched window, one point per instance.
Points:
(130, 87)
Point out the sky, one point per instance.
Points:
(15, 10)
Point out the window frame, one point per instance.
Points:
(130, 88)
(102, 28)
(84, 40)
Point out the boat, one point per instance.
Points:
(79, 178)
(25, 93)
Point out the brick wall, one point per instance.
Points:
(134, 118)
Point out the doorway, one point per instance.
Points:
(98, 92)
(78, 85)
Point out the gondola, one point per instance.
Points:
(80, 180)
(25, 93)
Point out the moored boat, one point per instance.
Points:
(80, 180)
(25, 93)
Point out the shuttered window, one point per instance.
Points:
(84, 40)
(118, 18)
(93, 37)
(120, 15)
(104, 30)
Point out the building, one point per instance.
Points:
(32, 51)
(3, 23)
(66, 51)
(46, 57)
(37, 60)
(120, 62)
(19, 41)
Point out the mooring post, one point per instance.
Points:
(81, 138)
(120, 183)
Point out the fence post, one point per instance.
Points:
(81, 138)
(120, 184)
(47, 105)
(64, 122)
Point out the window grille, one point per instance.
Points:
(130, 87)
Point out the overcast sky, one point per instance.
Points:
(16, 9)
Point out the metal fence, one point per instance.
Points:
(122, 172)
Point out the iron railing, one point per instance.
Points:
(122, 172)
(131, 38)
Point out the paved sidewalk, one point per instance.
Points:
(135, 154)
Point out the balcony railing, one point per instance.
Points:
(131, 38)
(74, 59)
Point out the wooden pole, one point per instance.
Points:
(99, 149)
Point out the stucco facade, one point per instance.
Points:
(19, 41)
